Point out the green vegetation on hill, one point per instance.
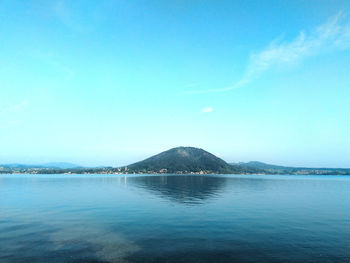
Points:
(182, 160)
(277, 169)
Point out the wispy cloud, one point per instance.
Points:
(54, 60)
(9, 115)
(207, 110)
(15, 107)
(70, 14)
(58, 65)
(334, 35)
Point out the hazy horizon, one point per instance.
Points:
(143, 158)
(114, 82)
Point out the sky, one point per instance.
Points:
(113, 82)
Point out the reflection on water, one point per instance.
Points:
(56, 218)
(191, 190)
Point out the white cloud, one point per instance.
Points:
(8, 115)
(334, 35)
(207, 110)
(15, 107)
(69, 13)
(331, 36)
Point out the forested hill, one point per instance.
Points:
(183, 160)
(180, 160)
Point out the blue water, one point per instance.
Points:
(61, 218)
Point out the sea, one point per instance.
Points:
(174, 218)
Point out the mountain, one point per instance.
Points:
(183, 160)
(60, 165)
(278, 169)
(19, 166)
(260, 165)
(180, 160)
(54, 165)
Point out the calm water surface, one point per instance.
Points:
(60, 218)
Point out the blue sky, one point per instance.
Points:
(112, 82)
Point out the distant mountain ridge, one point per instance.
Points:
(62, 165)
(260, 165)
(186, 160)
(279, 169)
(52, 165)
(179, 160)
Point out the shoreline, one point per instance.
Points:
(182, 174)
